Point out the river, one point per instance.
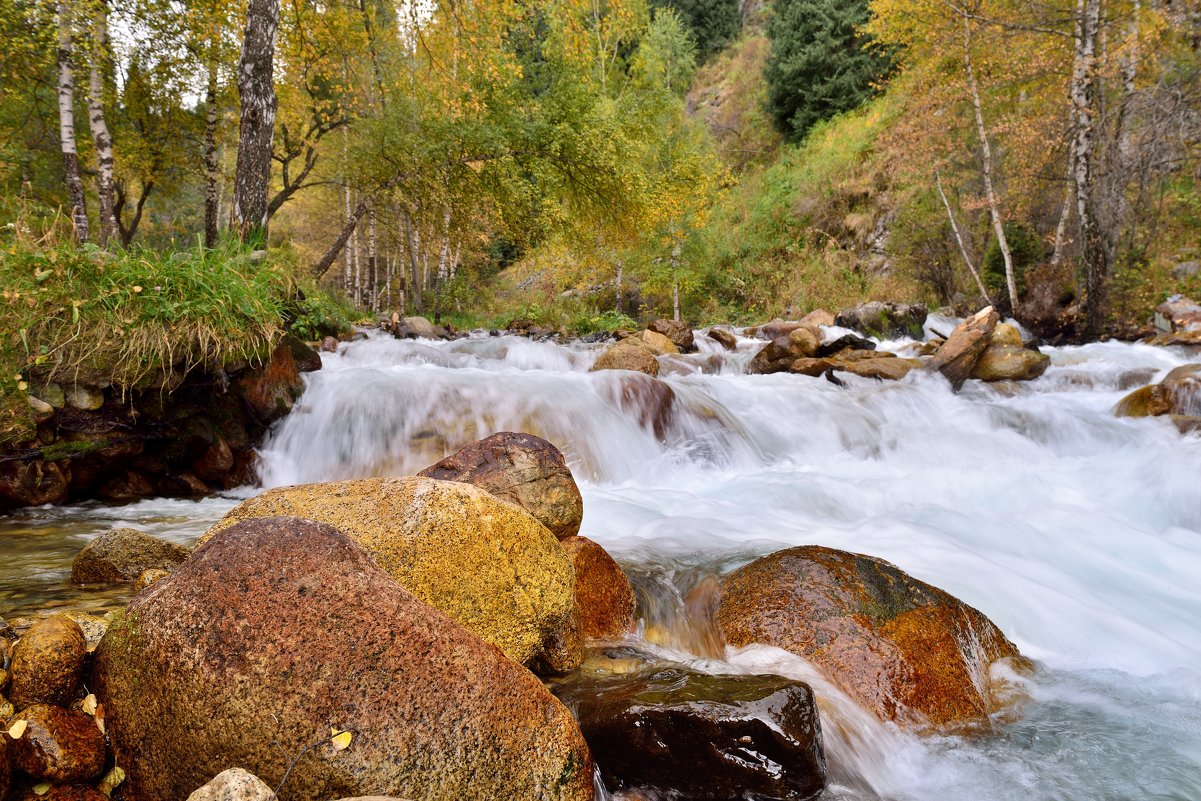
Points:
(1076, 532)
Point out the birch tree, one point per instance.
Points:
(256, 129)
(66, 118)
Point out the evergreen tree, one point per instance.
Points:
(713, 23)
(821, 64)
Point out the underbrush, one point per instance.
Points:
(137, 318)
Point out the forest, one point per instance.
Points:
(586, 163)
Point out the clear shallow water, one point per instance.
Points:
(1076, 532)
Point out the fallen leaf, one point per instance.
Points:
(17, 729)
(88, 705)
(110, 781)
(340, 739)
(41, 789)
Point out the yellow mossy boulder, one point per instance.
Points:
(486, 563)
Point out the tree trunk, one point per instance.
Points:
(994, 208)
(413, 241)
(66, 123)
(621, 265)
(444, 251)
(100, 133)
(1084, 94)
(256, 88)
(675, 282)
(1061, 228)
(211, 177)
(372, 260)
(322, 266)
(959, 238)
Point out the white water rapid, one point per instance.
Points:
(1078, 533)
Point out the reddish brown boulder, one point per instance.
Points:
(307, 359)
(58, 745)
(650, 401)
(602, 591)
(723, 337)
(522, 469)
(630, 353)
(270, 390)
(957, 357)
(694, 737)
(123, 554)
(47, 663)
(33, 483)
(678, 331)
(225, 663)
(903, 649)
(130, 485)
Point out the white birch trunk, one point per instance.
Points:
(66, 122)
(100, 134)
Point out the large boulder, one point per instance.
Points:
(47, 663)
(873, 364)
(678, 331)
(522, 469)
(58, 745)
(123, 554)
(487, 563)
(648, 400)
(957, 357)
(1008, 359)
(885, 320)
(696, 737)
(658, 344)
(902, 649)
(33, 482)
(227, 663)
(776, 356)
(630, 353)
(722, 337)
(603, 593)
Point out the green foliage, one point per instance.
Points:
(1025, 249)
(714, 24)
(666, 56)
(318, 313)
(134, 318)
(821, 64)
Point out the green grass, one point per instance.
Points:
(137, 318)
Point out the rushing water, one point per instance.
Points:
(1078, 533)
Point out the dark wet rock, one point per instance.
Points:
(122, 554)
(307, 360)
(1179, 394)
(885, 320)
(65, 792)
(5, 770)
(678, 331)
(130, 485)
(782, 328)
(58, 745)
(776, 356)
(957, 357)
(485, 562)
(33, 482)
(901, 648)
(336, 643)
(723, 337)
(844, 342)
(693, 736)
(650, 401)
(522, 469)
(603, 593)
(216, 461)
(270, 391)
(628, 354)
(47, 663)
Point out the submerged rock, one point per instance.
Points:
(678, 331)
(957, 357)
(225, 663)
(649, 401)
(885, 320)
(901, 648)
(485, 562)
(123, 554)
(33, 483)
(845, 342)
(603, 593)
(58, 745)
(522, 469)
(630, 353)
(692, 736)
(47, 663)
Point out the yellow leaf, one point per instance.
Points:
(110, 781)
(340, 739)
(88, 705)
(17, 729)
(41, 789)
